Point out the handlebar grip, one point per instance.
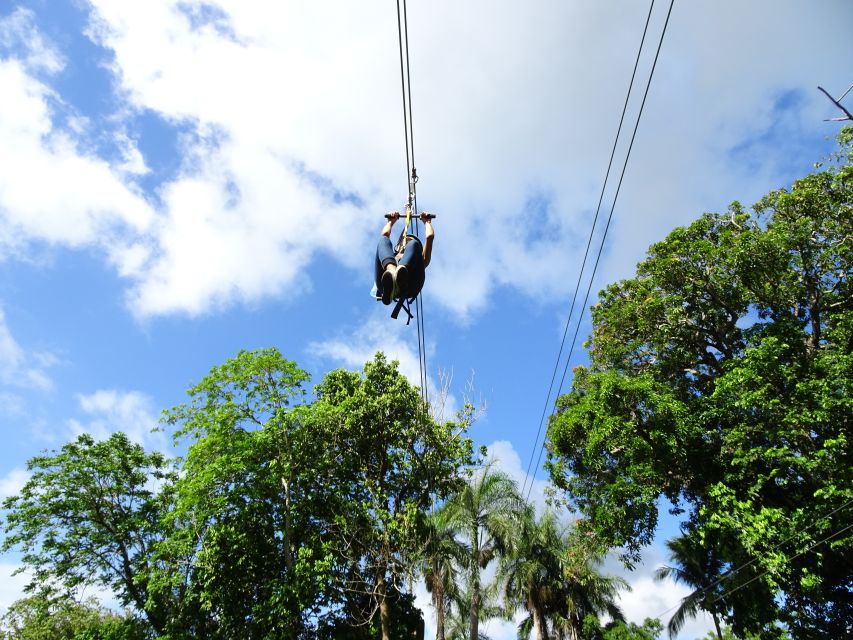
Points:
(429, 215)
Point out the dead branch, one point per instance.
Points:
(837, 103)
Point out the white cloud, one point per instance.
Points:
(11, 587)
(506, 459)
(19, 368)
(395, 339)
(18, 30)
(109, 411)
(12, 483)
(293, 108)
(50, 189)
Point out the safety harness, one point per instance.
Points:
(404, 303)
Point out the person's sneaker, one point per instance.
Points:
(387, 287)
(402, 281)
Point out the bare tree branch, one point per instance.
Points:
(838, 104)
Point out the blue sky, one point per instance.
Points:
(182, 180)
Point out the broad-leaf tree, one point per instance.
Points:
(88, 516)
(246, 551)
(721, 379)
(384, 460)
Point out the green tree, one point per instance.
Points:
(442, 554)
(699, 567)
(721, 379)
(43, 617)
(531, 573)
(88, 516)
(584, 590)
(244, 516)
(486, 512)
(621, 630)
(384, 460)
(552, 576)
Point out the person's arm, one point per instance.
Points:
(429, 234)
(386, 230)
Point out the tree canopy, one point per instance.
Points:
(288, 516)
(721, 380)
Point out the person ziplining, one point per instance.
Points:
(400, 272)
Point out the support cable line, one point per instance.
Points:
(586, 252)
(411, 179)
(732, 572)
(835, 534)
(607, 226)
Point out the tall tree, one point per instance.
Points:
(531, 573)
(487, 512)
(721, 378)
(442, 554)
(699, 567)
(384, 461)
(88, 516)
(244, 517)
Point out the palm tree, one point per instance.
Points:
(442, 553)
(530, 571)
(485, 512)
(554, 578)
(585, 590)
(458, 620)
(698, 566)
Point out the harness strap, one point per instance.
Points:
(405, 305)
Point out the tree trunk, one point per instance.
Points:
(475, 607)
(384, 609)
(288, 535)
(475, 584)
(717, 626)
(438, 603)
(540, 626)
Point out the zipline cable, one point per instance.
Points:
(796, 555)
(586, 252)
(609, 219)
(731, 572)
(411, 178)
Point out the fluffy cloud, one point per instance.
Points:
(12, 483)
(109, 411)
(19, 368)
(396, 340)
(51, 189)
(11, 586)
(291, 147)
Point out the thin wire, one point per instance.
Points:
(586, 253)
(403, 86)
(411, 179)
(766, 571)
(732, 572)
(609, 218)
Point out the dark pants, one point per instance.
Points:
(412, 259)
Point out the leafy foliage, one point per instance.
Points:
(552, 575)
(88, 514)
(721, 379)
(61, 618)
(485, 513)
(287, 518)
